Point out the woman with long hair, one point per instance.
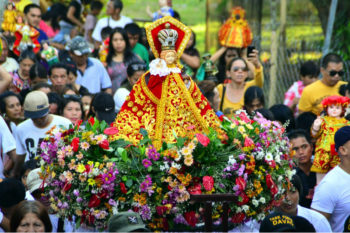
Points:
(119, 57)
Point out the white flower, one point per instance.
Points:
(277, 158)
(231, 160)
(261, 216)
(280, 178)
(178, 166)
(290, 174)
(164, 167)
(269, 157)
(239, 209)
(245, 208)
(262, 200)
(255, 202)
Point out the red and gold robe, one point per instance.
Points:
(165, 107)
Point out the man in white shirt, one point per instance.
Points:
(7, 147)
(113, 20)
(30, 133)
(332, 195)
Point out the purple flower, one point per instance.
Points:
(145, 212)
(147, 183)
(112, 202)
(180, 219)
(76, 192)
(79, 199)
(241, 170)
(65, 205)
(241, 156)
(146, 163)
(152, 153)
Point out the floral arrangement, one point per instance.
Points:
(248, 158)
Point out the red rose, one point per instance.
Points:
(191, 218)
(87, 168)
(274, 190)
(104, 144)
(241, 183)
(204, 140)
(94, 201)
(196, 189)
(122, 188)
(208, 183)
(238, 218)
(75, 144)
(269, 181)
(111, 131)
(103, 194)
(245, 199)
(78, 123)
(161, 210)
(67, 186)
(92, 121)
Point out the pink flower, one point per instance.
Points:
(111, 131)
(208, 183)
(146, 163)
(248, 142)
(204, 140)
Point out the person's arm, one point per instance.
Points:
(5, 79)
(218, 54)
(18, 165)
(4, 222)
(149, 12)
(192, 61)
(10, 163)
(327, 215)
(108, 90)
(71, 17)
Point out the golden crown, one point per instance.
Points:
(167, 37)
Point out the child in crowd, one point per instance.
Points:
(91, 20)
(164, 10)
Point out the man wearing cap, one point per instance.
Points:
(104, 108)
(332, 195)
(30, 133)
(12, 192)
(126, 222)
(91, 72)
(113, 20)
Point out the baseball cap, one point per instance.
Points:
(36, 104)
(126, 222)
(277, 222)
(104, 106)
(12, 192)
(302, 224)
(79, 46)
(34, 181)
(342, 136)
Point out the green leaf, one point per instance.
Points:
(144, 132)
(124, 178)
(78, 223)
(129, 183)
(149, 169)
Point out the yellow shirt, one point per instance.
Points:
(313, 94)
(228, 107)
(22, 4)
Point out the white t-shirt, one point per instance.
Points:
(104, 22)
(7, 144)
(10, 65)
(28, 136)
(319, 221)
(119, 97)
(332, 196)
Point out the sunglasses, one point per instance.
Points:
(237, 68)
(334, 72)
(137, 67)
(76, 97)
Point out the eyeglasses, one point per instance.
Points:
(237, 68)
(77, 97)
(137, 67)
(334, 72)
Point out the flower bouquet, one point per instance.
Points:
(247, 157)
(82, 179)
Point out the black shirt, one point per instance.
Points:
(77, 11)
(309, 183)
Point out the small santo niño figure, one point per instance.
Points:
(164, 10)
(26, 36)
(9, 21)
(162, 101)
(50, 54)
(324, 128)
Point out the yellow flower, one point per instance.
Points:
(186, 151)
(80, 168)
(91, 182)
(191, 146)
(90, 163)
(82, 178)
(53, 174)
(78, 212)
(86, 135)
(249, 126)
(241, 129)
(79, 155)
(188, 161)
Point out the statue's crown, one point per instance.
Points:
(167, 37)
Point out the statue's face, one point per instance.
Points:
(169, 56)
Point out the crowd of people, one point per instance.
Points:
(94, 67)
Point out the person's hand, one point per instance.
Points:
(254, 58)
(295, 101)
(317, 124)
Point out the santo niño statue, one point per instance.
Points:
(164, 101)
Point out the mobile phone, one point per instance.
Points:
(250, 49)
